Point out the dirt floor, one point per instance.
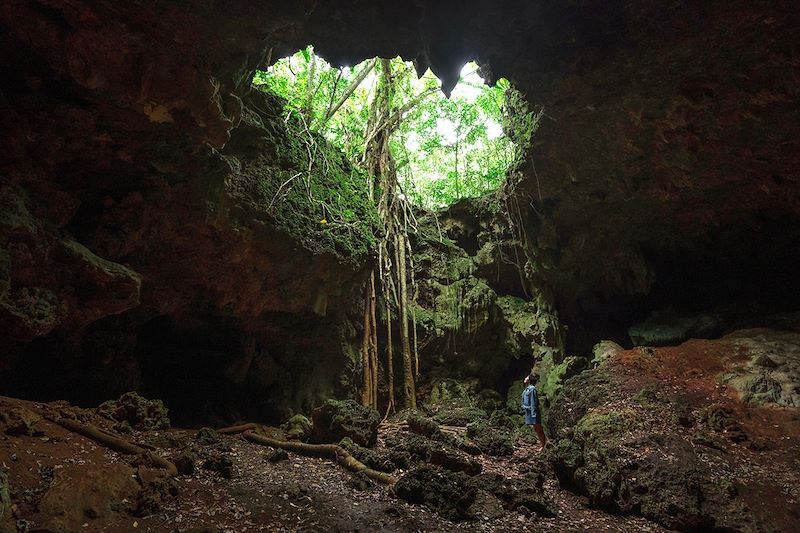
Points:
(61, 481)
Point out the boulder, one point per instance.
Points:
(207, 436)
(442, 491)
(517, 493)
(87, 492)
(297, 428)
(556, 376)
(337, 419)
(604, 350)
(642, 434)
(772, 373)
(132, 411)
(19, 421)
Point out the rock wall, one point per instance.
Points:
(151, 235)
(482, 311)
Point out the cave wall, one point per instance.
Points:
(481, 311)
(667, 161)
(668, 145)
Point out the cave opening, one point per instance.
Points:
(447, 144)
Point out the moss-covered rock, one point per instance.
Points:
(386, 460)
(556, 376)
(135, 412)
(603, 351)
(459, 415)
(514, 397)
(621, 448)
(207, 436)
(337, 419)
(666, 329)
(443, 491)
(490, 439)
(422, 425)
(298, 427)
(518, 492)
(309, 188)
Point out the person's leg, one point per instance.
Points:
(540, 433)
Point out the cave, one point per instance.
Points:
(183, 246)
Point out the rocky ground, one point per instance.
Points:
(61, 481)
(705, 435)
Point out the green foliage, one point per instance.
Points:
(444, 149)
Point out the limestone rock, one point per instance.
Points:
(19, 421)
(604, 350)
(298, 427)
(81, 492)
(137, 412)
(443, 491)
(337, 419)
(641, 434)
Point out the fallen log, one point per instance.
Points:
(333, 451)
(113, 442)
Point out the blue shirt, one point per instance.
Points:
(529, 405)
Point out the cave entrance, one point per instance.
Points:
(444, 147)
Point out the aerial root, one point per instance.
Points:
(333, 451)
(114, 442)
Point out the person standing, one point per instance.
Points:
(530, 406)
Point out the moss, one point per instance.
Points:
(307, 186)
(387, 460)
(422, 425)
(132, 411)
(335, 420)
(600, 426)
(441, 490)
(492, 440)
(646, 396)
(297, 427)
(558, 374)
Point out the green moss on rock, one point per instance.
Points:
(556, 376)
(337, 419)
(132, 411)
(443, 491)
(305, 185)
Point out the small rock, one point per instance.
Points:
(765, 361)
(277, 455)
(220, 463)
(360, 481)
(207, 436)
(185, 463)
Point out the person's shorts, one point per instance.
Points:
(532, 419)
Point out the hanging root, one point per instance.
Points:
(333, 451)
(114, 442)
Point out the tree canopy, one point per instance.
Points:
(443, 149)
